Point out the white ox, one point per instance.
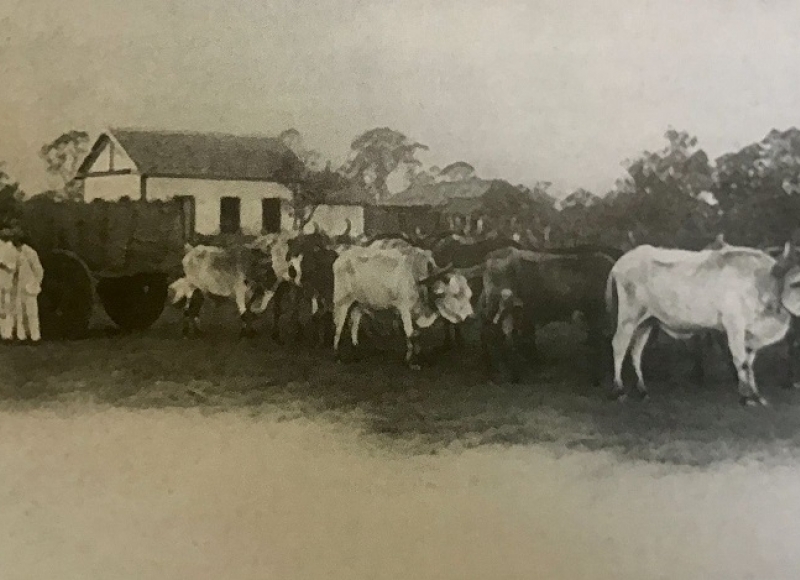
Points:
(406, 280)
(743, 292)
(249, 275)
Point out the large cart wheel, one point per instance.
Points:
(134, 302)
(67, 296)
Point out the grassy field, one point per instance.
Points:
(450, 403)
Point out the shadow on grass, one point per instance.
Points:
(448, 404)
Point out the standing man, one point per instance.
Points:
(8, 269)
(29, 275)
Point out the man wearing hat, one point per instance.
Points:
(8, 268)
(28, 285)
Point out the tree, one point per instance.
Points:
(293, 139)
(311, 183)
(458, 171)
(11, 197)
(661, 202)
(63, 157)
(757, 189)
(580, 198)
(312, 191)
(376, 153)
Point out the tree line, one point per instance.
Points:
(674, 196)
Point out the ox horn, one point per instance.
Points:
(348, 228)
(435, 272)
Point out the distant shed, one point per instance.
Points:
(436, 206)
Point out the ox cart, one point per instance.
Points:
(124, 253)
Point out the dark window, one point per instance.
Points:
(271, 215)
(230, 215)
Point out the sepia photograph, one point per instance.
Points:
(430, 290)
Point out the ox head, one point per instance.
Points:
(179, 292)
(304, 251)
(448, 293)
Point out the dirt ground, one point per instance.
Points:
(149, 456)
(97, 493)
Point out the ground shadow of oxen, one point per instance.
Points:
(446, 405)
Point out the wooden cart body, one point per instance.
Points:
(124, 252)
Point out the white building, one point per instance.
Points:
(229, 183)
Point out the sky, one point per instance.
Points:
(552, 90)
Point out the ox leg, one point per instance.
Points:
(792, 350)
(327, 329)
(277, 309)
(355, 324)
(245, 315)
(411, 347)
(620, 344)
(697, 345)
(458, 335)
(755, 397)
(191, 314)
(296, 304)
(325, 326)
(340, 315)
(638, 344)
(743, 358)
(511, 348)
(486, 348)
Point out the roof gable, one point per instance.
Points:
(200, 155)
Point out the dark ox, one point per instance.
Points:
(523, 289)
(468, 256)
(310, 258)
(745, 293)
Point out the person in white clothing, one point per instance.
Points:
(28, 278)
(8, 266)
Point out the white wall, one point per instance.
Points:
(332, 219)
(208, 192)
(111, 187)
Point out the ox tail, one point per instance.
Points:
(612, 304)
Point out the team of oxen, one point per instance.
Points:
(739, 296)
